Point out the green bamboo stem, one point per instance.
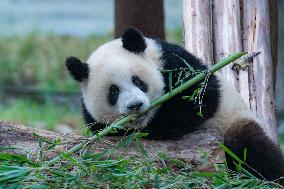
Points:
(155, 103)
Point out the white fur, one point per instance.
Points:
(112, 64)
(130, 95)
(231, 108)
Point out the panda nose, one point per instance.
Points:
(135, 106)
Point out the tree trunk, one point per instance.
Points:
(257, 39)
(21, 140)
(197, 27)
(237, 25)
(274, 35)
(146, 15)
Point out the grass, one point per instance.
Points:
(111, 169)
(175, 36)
(45, 115)
(38, 61)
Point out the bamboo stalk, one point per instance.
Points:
(155, 103)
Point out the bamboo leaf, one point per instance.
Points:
(12, 173)
(232, 154)
(16, 158)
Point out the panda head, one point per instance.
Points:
(120, 77)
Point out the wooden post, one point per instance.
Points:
(197, 27)
(146, 15)
(236, 25)
(227, 37)
(256, 24)
(273, 13)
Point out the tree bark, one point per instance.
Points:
(146, 15)
(237, 25)
(21, 140)
(227, 37)
(197, 27)
(256, 24)
(273, 10)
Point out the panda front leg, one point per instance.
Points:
(178, 116)
(170, 122)
(263, 157)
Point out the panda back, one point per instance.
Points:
(177, 117)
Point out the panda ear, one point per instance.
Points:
(133, 40)
(78, 70)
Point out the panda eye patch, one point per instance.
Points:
(113, 94)
(139, 83)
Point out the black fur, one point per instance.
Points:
(78, 70)
(133, 40)
(139, 83)
(178, 117)
(97, 126)
(90, 120)
(263, 155)
(113, 94)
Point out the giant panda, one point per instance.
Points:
(124, 75)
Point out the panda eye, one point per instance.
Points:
(139, 83)
(113, 94)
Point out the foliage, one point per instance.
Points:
(38, 61)
(110, 169)
(45, 115)
(175, 36)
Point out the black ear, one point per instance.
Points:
(133, 40)
(78, 70)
